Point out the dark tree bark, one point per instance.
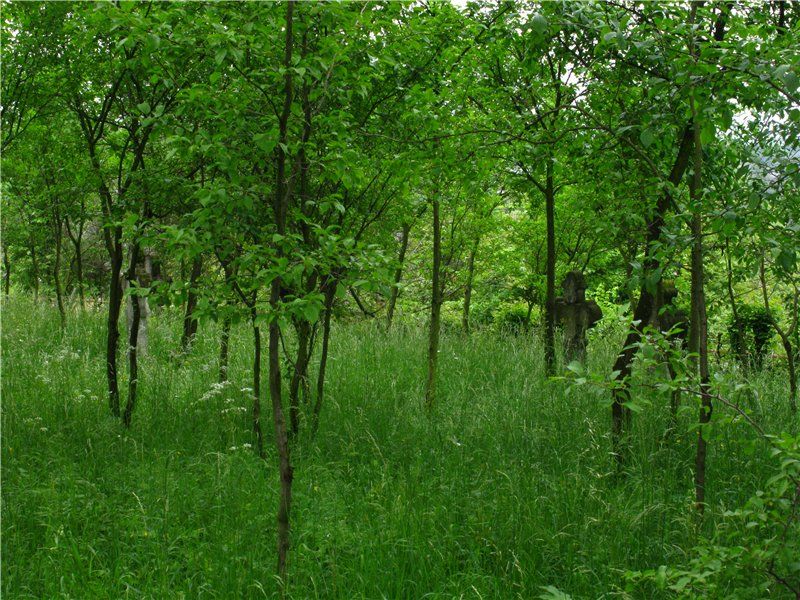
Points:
(468, 285)
(620, 415)
(280, 206)
(259, 436)
(133, 337)
(550, 300)
(398, 274)
(300, 373)
(698, 330)
(329, 289)
(6, 271)
(34, 264)
(189, 318)
(77, 244)
(114, 309)
(57, 232)
(436, 307)
(224, 341)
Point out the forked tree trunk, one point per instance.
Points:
(436, 308)
(398, 274)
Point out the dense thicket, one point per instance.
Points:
(284, 166)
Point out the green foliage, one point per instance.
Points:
(755, 550)
(750, 336)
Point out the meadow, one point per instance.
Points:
(508, 490)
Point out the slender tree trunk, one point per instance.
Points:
(468, 285)
(398, 274)
(299, 375)
(6, 272)
(189, 318)
(550, 300)
(77, 244)
(436, 307)
(114, 308)
(224, 341)
(698, 329)
(620, 414)
(281, 203)
(62, 313)
(698, 342)
(330, 295)
(79, 272)
(257, 382)
(133, 337)
(34, 265)
(787, 347)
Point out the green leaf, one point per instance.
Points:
(539, 24)
(144, 108)
(646, 137)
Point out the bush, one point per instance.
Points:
(514, 319)
(750, 335)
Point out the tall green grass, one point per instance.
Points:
(507, 488)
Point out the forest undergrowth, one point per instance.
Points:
(508, 490)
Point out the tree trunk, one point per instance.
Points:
(398, 274)
(698, 327)
(62, 313)
(299, 375)
(79, 272)
(257, 382)
(34, 265)
(330, 295)
(224, 341)
(189, 319)
(698, 343)
(620, 414)
(6, 272)
(787, 347)
(77, 243)
(112, 334)
(281, 203)
(468, 285)
(133, 337)
(550, 300)
(436, 308)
